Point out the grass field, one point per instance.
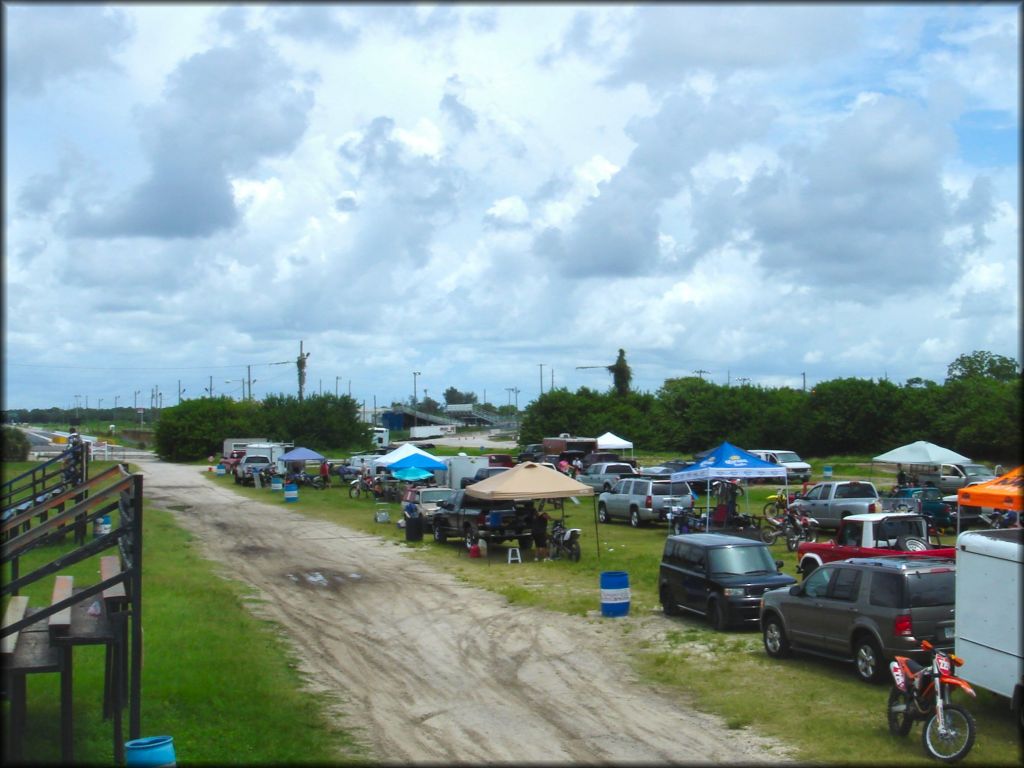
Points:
(196, 624)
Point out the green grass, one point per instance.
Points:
(195, 629)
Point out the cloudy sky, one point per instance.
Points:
(493, 195)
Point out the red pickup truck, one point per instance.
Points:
(877, 534)
(230, 462)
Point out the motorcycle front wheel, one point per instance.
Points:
(953, 742)
(769, 535)
(900, 723)
(353, 491)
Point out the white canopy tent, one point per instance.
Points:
(406, 449)
(921, 452)
(610, 442)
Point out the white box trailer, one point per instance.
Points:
(462, 466)
(988, 612)
(239, 443)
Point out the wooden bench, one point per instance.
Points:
(110, 566)
(14, 613)
(60, 622)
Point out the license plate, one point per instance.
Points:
(948, 632)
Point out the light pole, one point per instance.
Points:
(116, 398)
(99, 404)
(414, 375)
(336, 380)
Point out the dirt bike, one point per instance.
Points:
(564, 541)
(778, 504)
(1000, 518)
(685, 520)
(791, 526)
(363, 485)
(923, 693)
(310, 481)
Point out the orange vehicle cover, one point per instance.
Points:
(1002, 493)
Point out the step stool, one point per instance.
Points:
(513, 555)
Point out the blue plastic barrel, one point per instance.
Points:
(220, 469)
(614, 593)
(101, 526)
(149, 752)
(291, 492)
(827, 471)
(494, 520)
(276, 484)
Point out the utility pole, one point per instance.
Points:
(743, 380)
(551, 388)
(541, 378)
(300, 363)
(180, 390)
(700, 372)
(116, 398)
(248, 376)
(804, 374)
(336, 380)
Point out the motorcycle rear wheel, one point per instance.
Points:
(959, 736)
(353, 491)
(769, 535)
(573, 550)
(900, 723)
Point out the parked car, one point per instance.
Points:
(481, 474)
(603, 475)
(864, 610)
(831, 501)
(797, 470)
(500, 460)
(643, 500)
(718, 576)
(427, 501)
(531, 452)
(952, 477)
(927, 501)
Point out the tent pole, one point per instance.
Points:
(597, 532)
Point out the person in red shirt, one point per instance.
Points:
(325, 473)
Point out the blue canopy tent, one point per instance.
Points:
(412, 473)
(301, 454)
(420, 460)
(728, 462)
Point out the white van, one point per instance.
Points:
(988, 612)
(797, 470)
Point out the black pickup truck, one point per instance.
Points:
(463, 516)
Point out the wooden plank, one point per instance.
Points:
(110, 566)
(63, 586)
(14, 612)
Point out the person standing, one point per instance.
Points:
(901, 476)
(325, 473)
(539, 529)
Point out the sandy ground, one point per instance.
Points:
(428, 670)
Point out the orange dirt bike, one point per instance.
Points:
(923, 693)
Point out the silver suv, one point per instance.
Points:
(643, 500)
(864, 609)
(603, 475)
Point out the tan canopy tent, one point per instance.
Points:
(1002, 493)
(528, 481)
(531, 481)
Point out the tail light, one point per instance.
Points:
(902, 626)
(648, 502)
(873, 507)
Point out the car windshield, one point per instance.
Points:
(894, 528)
(932, 588)
(434, 496)
(618, 469)
(977, 469)
(787, 456)
(738, 561)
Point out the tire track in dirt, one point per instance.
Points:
(430, 670)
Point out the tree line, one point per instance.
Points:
(976, 412)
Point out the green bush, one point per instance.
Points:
(15, 445)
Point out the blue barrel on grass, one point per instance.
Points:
(276, 484)
(291, 493)
(101, 526)
(150, 752)
(615, 593)
(221, 470)
(827, 471)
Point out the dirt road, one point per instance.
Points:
(431, 670)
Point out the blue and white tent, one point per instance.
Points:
(728, 462)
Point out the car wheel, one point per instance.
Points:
(867, 659)
(634, 518)
(900, 723)
(911, 544)
(718, 615)
(439, 535)
(602, 513)
(668, 607)
(776, 644)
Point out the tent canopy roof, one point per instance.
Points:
(1002, 493)
(921, 452)
(528, 480)
(301, 454)
(403, 451)
(728, 461)
(611, 442)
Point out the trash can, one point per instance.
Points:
(827, 471)
(414, 528)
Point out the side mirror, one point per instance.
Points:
(796, 590)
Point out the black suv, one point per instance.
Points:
(864, 609)
(718, 576)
